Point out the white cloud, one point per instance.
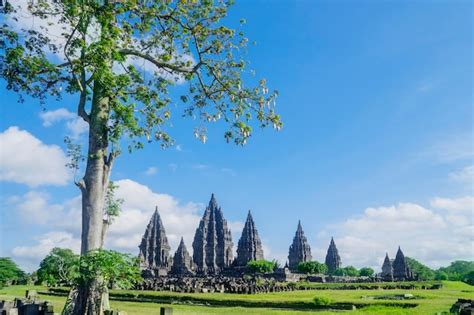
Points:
(75, 125)
(151, 171)
(54, 116)
(179, 148)
(26, 160)
(453, 148)
(464, 175)
(228, 171)
(29, 257)
(435, 237)
(200, 166)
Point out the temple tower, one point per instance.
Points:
(154, 247)
(212, 245)
(182, 262)
(333, 260)
(250, 245)
(401, 270)
(387, 269)
(300, 251)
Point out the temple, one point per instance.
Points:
(333, 260)
(401, 270)
(387, 269)
(212, 245)
(154, 248)
(300, 251)
(182, 262)
(249, 246)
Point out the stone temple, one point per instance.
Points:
(300, 251)
(401, 270)
(333, 260)
(387, 269)
(154, 248)
(182, 262)
(250, 245)
(212, 245)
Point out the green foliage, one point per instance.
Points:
(112, 205)
(322, 300)
(10, 273)
(261, 266)
(116, 269)
(457, 270)
(59, 268)
(468, 277)
(420, 271)
(441, 275)
(349, 271)
(312, 267)
(366, 272)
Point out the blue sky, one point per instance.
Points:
(376, 149)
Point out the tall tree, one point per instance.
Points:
(121, 58)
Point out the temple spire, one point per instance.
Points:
(299, 251)
(154, 247)
(212, 245)
(182, 262)
(387, 269)
(401, 270)
(249, 246)
(333, 260)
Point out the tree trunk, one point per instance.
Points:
(93, 188)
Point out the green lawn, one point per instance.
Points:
(295, 302)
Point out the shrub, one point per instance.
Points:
(312, 267)
(350, 271)
(60, 267)
(261, 266)
(321, 300)
(366, 272)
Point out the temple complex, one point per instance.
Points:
(300, 251)
(213, 255)
(249, 246)
(333, 260)
(212, 245)
(154, 248)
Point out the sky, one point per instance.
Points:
(376, 149)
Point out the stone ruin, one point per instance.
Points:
(300, 251)
(213, 256)
(333, 260)
(30, 305)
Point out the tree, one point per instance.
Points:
(59, 267)
(312, 267)
(457, 269)
(349, 271)
(469, 277)
(366, 272)
(120, 58)
(420, 271)
(10, 273)
(261, 266)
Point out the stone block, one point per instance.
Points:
(166, 311)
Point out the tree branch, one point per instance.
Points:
(159, 64)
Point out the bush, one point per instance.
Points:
(261, 266)
(349, 271)
(469, 278)
(366, 272)
(321, 300)
(312, 267)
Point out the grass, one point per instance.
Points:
(294, 302)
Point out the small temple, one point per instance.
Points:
(182, 261)
(333, 260)
(299, 251)
(249, 246)
(387, 269)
